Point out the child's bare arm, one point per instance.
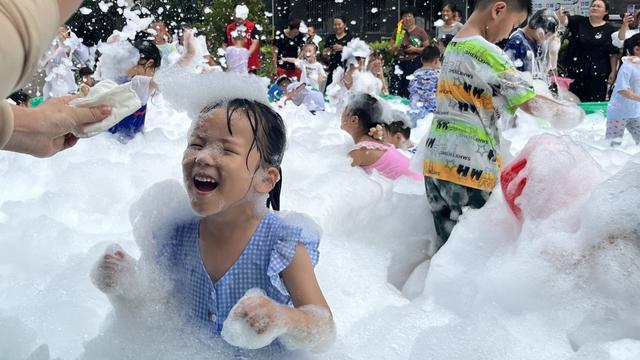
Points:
(308, 326)
(310, 323)
(560, 114)
(629, 94)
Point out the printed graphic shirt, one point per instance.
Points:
(477, 84)
(423, 88)
(311, 73)
(522, 51)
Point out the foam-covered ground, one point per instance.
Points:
(565, 284)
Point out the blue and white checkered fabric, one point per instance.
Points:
(267, 254)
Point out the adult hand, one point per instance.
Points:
(627, 20)
(46, 130)
(562, 15)
(612, 77)
(337, 47)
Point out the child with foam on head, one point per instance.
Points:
(623, 110)
(231, 244)
(424, 83)
(237, 56)
(478, 85)
(365, 120)
(399, 133)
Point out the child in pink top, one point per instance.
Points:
(362, 120)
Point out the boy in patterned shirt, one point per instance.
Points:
(423, 85)
(477, 85)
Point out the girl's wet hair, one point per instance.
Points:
(544, 19)
(367, 108)
(269, 137)
(143, 42)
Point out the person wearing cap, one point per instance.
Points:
(524, 46)
(288, 45)
(241, 25)
(28, 28)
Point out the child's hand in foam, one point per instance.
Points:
(255, 321)
(113, 270)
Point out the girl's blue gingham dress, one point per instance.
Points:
(268, 253)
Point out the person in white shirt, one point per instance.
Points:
(313, 73)
(237, 56)
(628, 28)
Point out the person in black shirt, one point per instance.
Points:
(333, 45)
(288, 45)
(591, 57)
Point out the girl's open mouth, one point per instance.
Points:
(204, 184)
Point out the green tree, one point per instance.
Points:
(216, 18)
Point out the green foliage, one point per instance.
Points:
(383, 48)
(267, 67)
(210, 17)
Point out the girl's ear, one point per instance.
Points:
(268, 181)
(149, 63)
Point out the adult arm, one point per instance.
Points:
(275, 56)
(255, 41)
(564, 19)
(613, 61)
(67, 8)
(28, 26)
(425, 43)
(618, 40)
(46, 130)
(255, 45)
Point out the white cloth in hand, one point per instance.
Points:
(122, 99)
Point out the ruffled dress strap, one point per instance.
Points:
(296, 229)
(371, 145)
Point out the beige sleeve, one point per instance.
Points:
(6, 122)
(28, 26)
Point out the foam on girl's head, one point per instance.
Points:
(371, 107)
(193, 92)
(355, 48)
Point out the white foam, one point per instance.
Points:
(553, 287)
